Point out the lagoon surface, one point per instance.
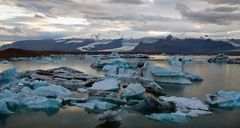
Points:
(216, 77)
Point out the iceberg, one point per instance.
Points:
(3, 108)
(168, 117)
(186, 103)
(159, 105)
(26, 98)
(108, 84)
(108, 96)
(163, 74)
(153, 87)
(193, 77)
(8, 76)
(225, 99)
(113, 70)
(82, 90)
(96, 105)
(39, 102)
(219, 59)
(188, 107)
(134, 91)
(52, 91)
(119, 62)
(185, 109)
(12, 99)
(110, 116)
(36, 84)
(69, 78)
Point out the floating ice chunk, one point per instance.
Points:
(87, 105)
(106, 85)
(153, 87)
(224, 99)
(26, 90)
(195, 113)
(134, 91)
(12, 99)
(220, 58)
(185, 103)
(119, 62)
(113, 70)
(3, 108)
(110, 116)
(161, 71)
(8, 76)
(96, 105)
(39, 102)
(52, 91)
(36, 84)
(82, 90)
(177, 117)
(168, 117)
(185, 108)
(163, 74)
(159, 105)
(110, 69)
(193, 77)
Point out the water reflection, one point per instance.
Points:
(109, 125)
(216, 77)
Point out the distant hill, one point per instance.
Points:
(185, 46)
(170, 45)
(65, 45)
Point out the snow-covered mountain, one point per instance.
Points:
(78, 44)
(169, 44)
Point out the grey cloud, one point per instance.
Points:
(224, 9)
(127, 1)
(139, 18)
(230, 2)
(39, 16)
(206, 16)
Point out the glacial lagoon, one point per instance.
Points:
(216, 77)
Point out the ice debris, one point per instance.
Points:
(66, 77)
(108, 84)
(134, 91)
(185, 109)
(96, 105)
(226, 99)
(52, 91)
(168, 117)
(3, 108)
(163, 74)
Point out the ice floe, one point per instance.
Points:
(66, 77)
(52, 91)
(185, 109)
(3, 108)
(96, 105)
(134, 90)
(226, 99)
(108, 84)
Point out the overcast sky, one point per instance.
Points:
(38, 19)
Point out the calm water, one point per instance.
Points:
(216, 77)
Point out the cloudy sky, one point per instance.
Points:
(38, 19)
